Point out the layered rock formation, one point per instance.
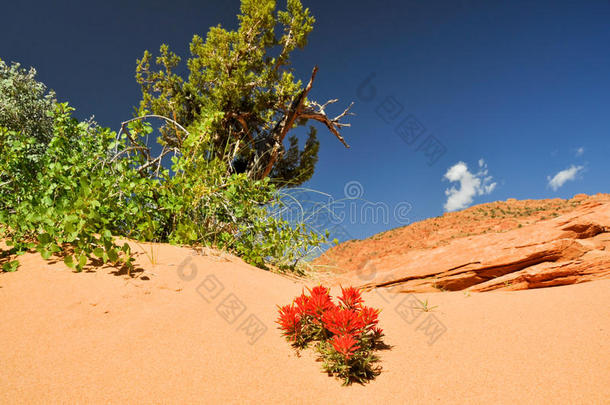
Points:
(570, 248)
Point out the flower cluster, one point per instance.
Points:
(346, 332)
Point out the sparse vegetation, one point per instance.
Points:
(424, 306)
(500, 216)
(345, 334)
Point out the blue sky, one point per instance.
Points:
(524, 86)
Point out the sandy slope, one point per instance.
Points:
(100, 337)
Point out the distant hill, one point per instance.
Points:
(488, 246)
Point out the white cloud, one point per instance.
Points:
(565, 175)
(580, 151)
(471, 185)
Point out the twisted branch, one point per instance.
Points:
(145, 150)
(301, 108)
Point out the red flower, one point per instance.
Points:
(318, 303)
(342, 321)
(369, 316)
(345, 344)
(350, 297)
(319, 290)
(290, 321)
(302, 301)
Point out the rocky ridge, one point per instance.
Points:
(570, 245)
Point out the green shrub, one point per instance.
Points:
(87, 186)
(25, 104)
(58, 201)
(68, 188)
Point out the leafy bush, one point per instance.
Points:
(69, 188)
(25, 104)
(346, 334)
(85, 186)
(58, 201)
(74, 197)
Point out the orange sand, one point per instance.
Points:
(97, 337)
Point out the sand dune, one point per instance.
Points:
(98, 337)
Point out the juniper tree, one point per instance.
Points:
(246, 76)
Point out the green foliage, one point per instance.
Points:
(25, 104)
(61, 205)
(297, 166)
(72, 195)
(424, 306)
(360, 368)
(245, 75)
(203, 201)
(69, 188)
(10, 266)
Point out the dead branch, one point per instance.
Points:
(301, 108)
(244, 125)
(145, 150)
(127, 150)
(157, 161)
(151, 116)
(315, 111)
